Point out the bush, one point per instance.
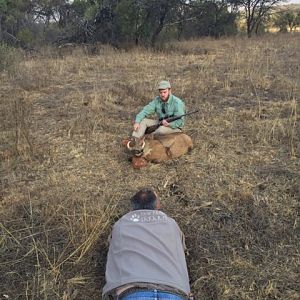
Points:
(26, 36)
(9, 57)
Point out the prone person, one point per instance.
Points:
(146, 258)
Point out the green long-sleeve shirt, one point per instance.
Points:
(173, 107)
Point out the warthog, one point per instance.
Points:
(159, 149)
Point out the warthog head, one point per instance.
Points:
(136, 146)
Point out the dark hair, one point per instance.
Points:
(144, 199)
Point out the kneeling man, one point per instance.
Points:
(164, 106)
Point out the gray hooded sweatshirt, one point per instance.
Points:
(146, 246)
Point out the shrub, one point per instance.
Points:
(26, 36)
(9, 57)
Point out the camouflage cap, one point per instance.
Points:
(164, 85)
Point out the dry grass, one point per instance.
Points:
(65, 178)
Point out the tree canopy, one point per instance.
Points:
(31, 22)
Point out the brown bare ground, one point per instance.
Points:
(65, 178)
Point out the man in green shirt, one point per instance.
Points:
(165, 105)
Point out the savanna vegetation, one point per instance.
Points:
(125, 23)
(65, 177)
(287, 18)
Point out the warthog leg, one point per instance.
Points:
(169, 152)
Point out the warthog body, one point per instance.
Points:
(159, 149)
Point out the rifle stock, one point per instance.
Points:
(152, 128)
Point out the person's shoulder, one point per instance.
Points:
(154, 101)
(123, 218)
(126, 216)
(144, 216)
(177, 99)
(170, 219)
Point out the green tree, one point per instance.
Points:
(207, 18)
(255, 11)
(3, 11)
(143, 20)
(214, 19)
(128, 18)
(287, 20)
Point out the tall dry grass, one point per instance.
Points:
(65, 178)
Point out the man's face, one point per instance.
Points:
(164, 94)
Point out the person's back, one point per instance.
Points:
(146, 251)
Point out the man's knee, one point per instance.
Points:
(148, 122)
(166, 130)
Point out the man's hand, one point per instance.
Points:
(165, 123)
(136, 126)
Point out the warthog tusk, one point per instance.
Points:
(128, 147)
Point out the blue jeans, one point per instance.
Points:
(151, 295)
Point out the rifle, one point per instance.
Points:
(152, 128)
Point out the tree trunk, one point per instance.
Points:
(1, 33)
(46, 25)
(249, 31)
(257, 28)
(180, 28)
(159, 28)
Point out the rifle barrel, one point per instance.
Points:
(171, 119)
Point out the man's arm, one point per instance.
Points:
(146, 111)
(180, 110)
